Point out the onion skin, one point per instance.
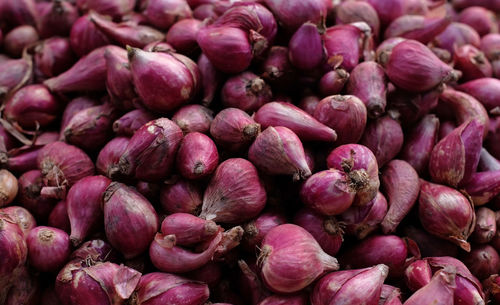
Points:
(492, 138)
(292, 14)
(349, 12)
(234, 129)
(131, 121)
(486, 226)
(306, 127)
(256, 229)
(188, 229)
(430, 245)
(487, 162)
(485, 90)
(326, 230)
(29, 189)
(85, 37)
(344, 41)
(210, 79)
(333, 82)
(409, 107)
(181, 196)
(390, 10)
(413, 67)
(193, 118)
(48, 248)
(115, 8)
(384, 137)
(454, 159)
(277, 68)
(150, 70)
(417, 274)
(119, 80)
(446, 213)
(309, 104)
(479, 18)
(420, 142)
(182, 35)
(84, 206)
(294, 299)
(58, 217)
(390, 250)
(138, 220)
(164, 14)
(456, 35)
(73, 107)
(56, 18)
(482, 261)
(310, 57)
(235, 187)
(360, 221)
(419, 28)
(15, 73)
(361, 286)
(197, 156)
(245, 91)
(490, 45)
(159, 288)
(32, 104)
(151, 151)
(483, 187)
(390, 295)
(97, 249)
(110, 154)
(401, 185)
(472, 62)
(8, 187)
(23, 218)
(53, 56)
(291, 259)
(287, 156)
(19, 12)
(368, 82)
(18, 38)
(439, 291)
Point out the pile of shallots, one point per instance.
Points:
(255, 152)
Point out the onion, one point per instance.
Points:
(390, 295)
(94, 251)
(278, 151)
(114, 8)
(401, 185)
(485, 90)
(131, 121)
(48, 248)
(480, 19)
(56, 18)
(29, 195)
(197, 156)
(446, 213)
(291, 259)
(310, 57)
(490, 45)
(360, 221)
(151, 151)
(84, 206)
(333, 82)
(188, 229)
(73, 107)
(85, 37)
(8, 187)
(53, 56)
(256, 229)
(309, 104)
(19, 12)
(456, 35)
(491, 285)
(276, 67)
(357, 286)
(472, 62)
(58, 217)
(193, 118)
(181, 196)
(430, 245)
(110, 154)
(292, 14)
(390, 10)
(19, 38)
(483, 187)
(245, 91)
(182, 35)
(235, 187)
(119, 80)
(157, 288)
(384, 49)
(439, 290)
(419, 28)
(384, 137)
(150, 72)
(349, 12)
(234, 129)
(482, 261)
(417, 274)
(280, 299)
(163, 14)
(210, 79)
(486, 227)
(25, 221)
(137, 223)
(14, 74)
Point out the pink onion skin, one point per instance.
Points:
(15, 73)
(233, 41)
(210, 79)
(368, 82)
(30, 184)
(78, 284)
(87, 74)
(85, 37)
(360, 164)
(158, 46)
(127, 34)
(24, 158)
(349, 12)
(486, 226)
(390, 10)
(390, 295)
(276, 299)
(163, 14)
(62, 165)
(197, 156)
(110, 154)
(151, 151)
(310, 57)
(483, 187)
(276, 67)
(362, 286)
(292, 14)
(454, 159)
(446, 213)
(439, 290)
(84, 206)
(48, 248)
(22, 217)
(25, 290)
(344, 113)
(74, 106)
(193, 118)
(131, 121)
(384, 137)
(116, 8)
(32, 104)
(119, 79)
(419, 28)
(8, 187)
(326, 230)
(182, 35)
(461, 4)
(158, 288)
(56, 18)
(419, 143)
(333, 82)
(480, 19)
(384, 50)
(309, 104)
(168, 257)
(58, 217)
(181, 196)
(456, 35)
(18, 12)
(245, 91)
(278, 151)
(91, 128)
(188, 229)
(465, 107)
(305, 126)
(344, 41)
(472, 62)
(485, 90)
(328, 192)
(138, 220)
(417, 274)
(235, 193)
(413, 67)
(401, 185)
(97, 249)
(490, 45)
(53, 56)
(360, 221)
(390, 250)
(291, 259)
(482, 261)
(150, 70)
(18, 38)
(257, 229)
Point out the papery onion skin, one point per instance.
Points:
(197, 156)
(439, 291)
(181, 196)
(85, 37)
(360, 221)
(110, 154)
(48, 248)
(417, 274)
(193, 118)
(486, 226)
(18, 38)
(234, 129)
(21, 216)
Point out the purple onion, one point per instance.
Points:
(53, 56)
(85, 37)
(306, 58)
(197, 156)
(182, 35)
(19, 38)
(193, 118)
(384, 137)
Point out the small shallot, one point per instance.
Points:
(48, 248)
(197, 156)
